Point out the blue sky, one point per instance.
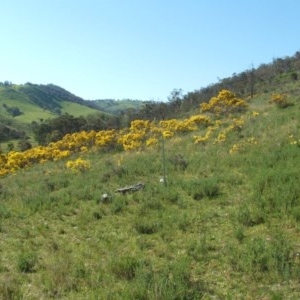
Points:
(141, 49)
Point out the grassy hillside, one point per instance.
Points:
(76, 109)
(41, 102)
(11, 97)
(224, 225)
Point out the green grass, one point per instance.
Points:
(31, 112)
(76, 109)
(224, 227)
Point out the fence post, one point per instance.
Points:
(163, 159)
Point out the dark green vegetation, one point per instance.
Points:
(226, 226)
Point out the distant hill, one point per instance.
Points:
(20, 105)
(117, 107)
(33, 100)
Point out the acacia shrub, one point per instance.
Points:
(226, 102)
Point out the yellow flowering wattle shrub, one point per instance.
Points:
(106, 139)
(131, 141)
(200, 119)
(280, 100)
(294, 140)
(136, 136)
(152, 142)
(226, 102)
(15, 160)
(74, 141)
(79, 165)
(143, 133)
(238, 123)
(241, 145)
(217, 133)
(201, 139)
(140, 125)
(221, 137)
(167, 134)
(235, 148)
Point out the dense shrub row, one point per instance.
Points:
(140, 134)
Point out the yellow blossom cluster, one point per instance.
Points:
(135, 136)
(221, 137)
(152, 141)
(73, 142)
(167, 134)
(240, 146)
(280, 100)
(79, 165)
(209, 132)
(226, 102)
(131, 141)
(294, 141)
(198, 139)
(15, 160)
(106, 139)
(235, 148)
(143, 133)
(140, 125)
(236, 125)
(186, 125)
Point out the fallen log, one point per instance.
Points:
(130, 188)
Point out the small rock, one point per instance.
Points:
(105, 198)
